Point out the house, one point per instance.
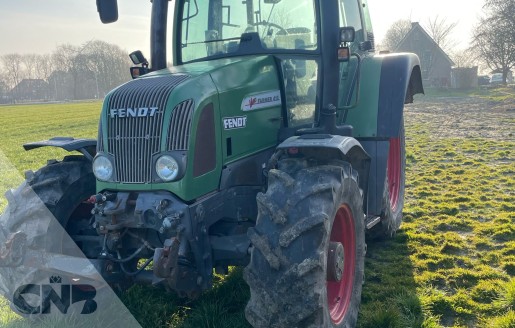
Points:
(31, 90)
(435, 64)
(464, 78)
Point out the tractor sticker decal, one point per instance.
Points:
(237, 122)
(261, 100)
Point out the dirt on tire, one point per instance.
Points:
(288, 269)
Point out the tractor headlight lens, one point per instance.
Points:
(167, 168)
(102, 168)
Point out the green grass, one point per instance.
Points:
(452, 264)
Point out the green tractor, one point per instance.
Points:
(273, 142)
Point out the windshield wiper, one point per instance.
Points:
(184, 45)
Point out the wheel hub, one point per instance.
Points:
(335, 261)
(341, 262)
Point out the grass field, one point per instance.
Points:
(452, 264)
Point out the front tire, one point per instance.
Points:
(307, 260)
(52, 197)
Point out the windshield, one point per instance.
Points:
(214, 28)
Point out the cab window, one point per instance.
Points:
(214, 28)
(350, 15)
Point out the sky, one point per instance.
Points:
(38, 26)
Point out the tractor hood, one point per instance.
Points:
(177, 112)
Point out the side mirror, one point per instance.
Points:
(137, 58)
(108, 10)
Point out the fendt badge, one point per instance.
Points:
(237, 122)
(133, 112)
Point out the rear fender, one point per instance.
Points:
(387, 82)
(400, 80)
(85, 146)
(378, 150)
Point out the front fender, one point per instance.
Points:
(85, 146)
(329, 147)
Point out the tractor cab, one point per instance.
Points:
(307, 39)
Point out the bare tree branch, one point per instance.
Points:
(494, 36)
(395, 34)
(440, 31)
(13, 68)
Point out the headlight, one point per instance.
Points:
(102, 168)
(167, 168)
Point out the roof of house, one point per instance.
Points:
(31, 83)
(415, 26)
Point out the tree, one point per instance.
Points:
(43, 67)
(95, 68)
(494, 36)
(3, 91)
(29, 62)
(63, 56)
(464, 58)
(440, 31)
(503, 10)
(73, 72)
(107, 64)
(395, 33)
(61, 85)
(13, 68)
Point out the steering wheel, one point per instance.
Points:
(269, 24)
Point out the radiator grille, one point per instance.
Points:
(133, 139)
(100, 140)
(180, 126)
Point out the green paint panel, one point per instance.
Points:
(225, 83)
(363, 117)
(242, 87)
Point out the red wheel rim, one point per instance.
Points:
(394, 171)
(339, 292)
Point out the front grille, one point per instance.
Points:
(133, 139)
(100, 141)
(180, 126)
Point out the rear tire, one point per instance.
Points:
(393, 194)
(309, 231)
